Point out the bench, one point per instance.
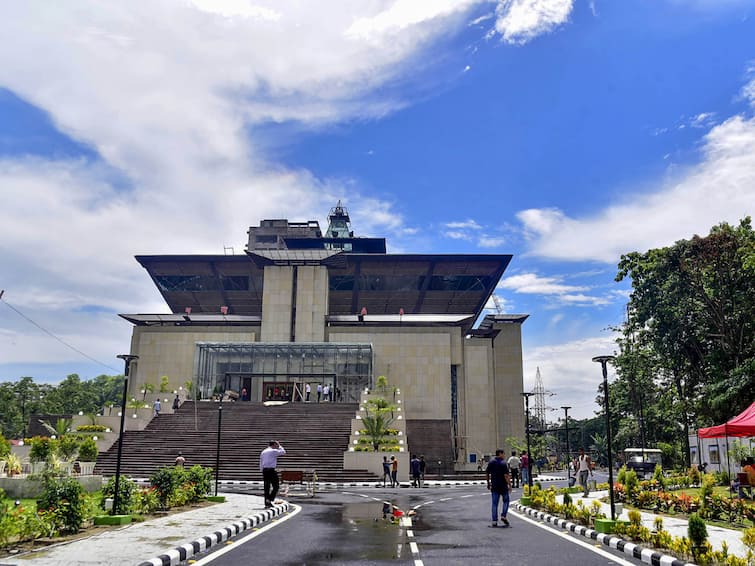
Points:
(300, 477)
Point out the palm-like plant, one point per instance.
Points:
(376, 428)
(147, 388)
(61, 428)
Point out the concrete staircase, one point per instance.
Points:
(314, 435)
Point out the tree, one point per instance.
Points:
(688, 344)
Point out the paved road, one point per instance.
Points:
(451, 526)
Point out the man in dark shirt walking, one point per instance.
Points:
(499, 484)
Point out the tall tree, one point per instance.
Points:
(690, 331)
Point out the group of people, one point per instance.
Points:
(324, 393)
(390, 471)
(519, 468)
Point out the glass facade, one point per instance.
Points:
(281, 371)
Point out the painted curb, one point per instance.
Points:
(185, 551)
(629, 548)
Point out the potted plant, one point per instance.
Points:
(12, 465)
(87, 456)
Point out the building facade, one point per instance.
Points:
(301, 308)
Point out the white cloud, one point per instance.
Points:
(719, 188)
(466, 225)
(567, 370)
(491, 241)
(170, 95)
(535, 284)
(456, 235)
(520, 21)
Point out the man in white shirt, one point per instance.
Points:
(307, 390)
(514, 463)
(584, 469)
(326, 393)
(268, 463)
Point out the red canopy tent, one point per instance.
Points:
(741, 425)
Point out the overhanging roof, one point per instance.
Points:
(420, 284)
(191, 319)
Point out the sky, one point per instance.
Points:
(564, 132)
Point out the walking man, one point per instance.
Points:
(524, 468)
(156, 407)
(583, 469)
(268, 463)
(394, 472)
(386, 471)
(307, 390)
(319, 391)
(416, 478)
(499, 484)
(514, 463)
(326, 393)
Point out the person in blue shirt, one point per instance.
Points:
(415, 465)
(499, 484)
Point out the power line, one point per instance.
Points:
(66, 344)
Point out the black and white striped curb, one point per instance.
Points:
(629, 548)
(186, 551)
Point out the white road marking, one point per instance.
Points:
(584, 544)
(247, 538)
(414, 548)
(446, 499)
(462, 497)
(409, 533)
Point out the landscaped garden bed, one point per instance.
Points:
(65, 511)
(694, 497)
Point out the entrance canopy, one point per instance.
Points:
(741, 425)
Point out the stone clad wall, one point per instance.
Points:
(170, 350)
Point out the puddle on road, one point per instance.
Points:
(372, 532)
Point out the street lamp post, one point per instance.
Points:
(527, 396)
(568, 454)
(603, 361)
(127, 359)
(217, 447)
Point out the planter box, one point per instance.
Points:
(525, 500)
(607, 526)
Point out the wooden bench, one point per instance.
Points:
(302, 477)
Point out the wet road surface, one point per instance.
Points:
(445, 526)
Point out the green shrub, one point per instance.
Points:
(145, 501)
(696, 530)
(200, 479)
(88, 450)
(68, 447)
(166, 481)
(659, 477)
(42, 449)
(694, 475)
(622, 477)
(64, 504)
(91, 428)
(126, 489)
(4, 447)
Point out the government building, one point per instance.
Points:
(301, 308)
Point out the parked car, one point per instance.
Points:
(642, 461)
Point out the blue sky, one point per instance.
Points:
(564, 132)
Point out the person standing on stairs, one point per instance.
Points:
(268, 463)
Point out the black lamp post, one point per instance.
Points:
(527, 396)
(568, 454)
(603, 361)
(127, 359)
(217, 447)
